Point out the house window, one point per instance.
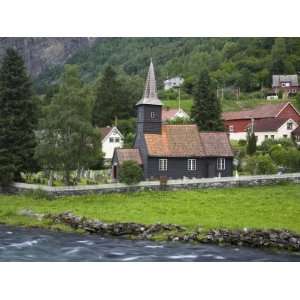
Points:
(266, 137)
(285, 136)
(111, 140)
(221, 164)
(163, 165)
(231, 128)
(272, 137)
(117, 140)
(297, 137)
(152, 115)
(289, 126)
(192, 164)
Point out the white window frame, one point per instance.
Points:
(163, 164)
(152, 114)
(117, 140)
(221, 166)
(231, 128)
(192, 164)
(111, 140)
(266, 137)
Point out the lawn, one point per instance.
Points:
(254, 207)
(227, 105)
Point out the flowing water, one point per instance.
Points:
(23, 244)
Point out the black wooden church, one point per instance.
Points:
(173, 151)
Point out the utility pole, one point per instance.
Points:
(222, 93)
(179, 100)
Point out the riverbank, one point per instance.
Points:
(269, 207)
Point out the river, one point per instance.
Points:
(23, 244)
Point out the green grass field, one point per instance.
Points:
(256, 207)
(227, 105)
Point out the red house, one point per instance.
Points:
(237, 122)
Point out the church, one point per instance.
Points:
(173, 151)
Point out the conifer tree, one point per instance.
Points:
(107, 97)
(206, 109)
(18, 118)
(251, 144)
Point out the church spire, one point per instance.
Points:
(150, 93)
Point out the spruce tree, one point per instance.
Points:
(206, 109)
(106, 105)
(18, 118)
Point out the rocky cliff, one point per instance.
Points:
(41, 53)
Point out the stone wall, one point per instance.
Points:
(224, 182)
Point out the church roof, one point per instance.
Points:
(150, 94)
(186, 141)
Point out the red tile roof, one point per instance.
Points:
(185, 141)
(128, 154)
(269, 124)
(261, 111)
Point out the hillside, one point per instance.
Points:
(244, 62)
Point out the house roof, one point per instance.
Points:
(216, 144)
(150, 92)
(296, 131)
(270, 124)
(128, 154)
(261, 111)
(170, 113)
(277, 79)
(185, 141)
(105, 131)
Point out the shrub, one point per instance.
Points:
(292, 160)
(242, 143)
(269, 143)
(130, 172)
(265, 165)
(260, 164)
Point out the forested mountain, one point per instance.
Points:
(244, 62)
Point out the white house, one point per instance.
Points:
(169, 114)
(111, 138)
(273, 129)
(173, 83)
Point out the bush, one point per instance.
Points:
(130, 172)
(260, 164)
(265, 165)
(242, 143)
(269, 143)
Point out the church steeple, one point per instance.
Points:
(149, 107)
(150, 92)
